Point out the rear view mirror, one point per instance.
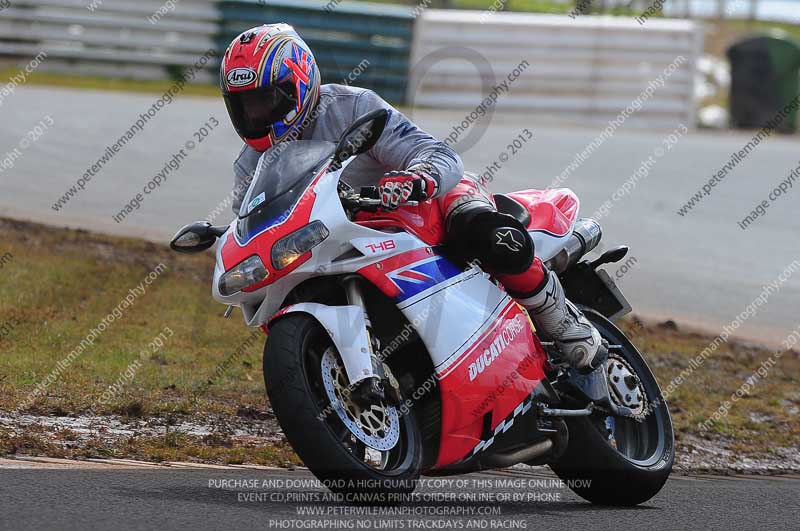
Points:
(196, 237)
(362, 135)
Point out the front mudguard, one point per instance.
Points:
(347, 328)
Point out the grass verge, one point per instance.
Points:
(54, 79)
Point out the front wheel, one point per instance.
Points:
(619, 460)
(351, 449)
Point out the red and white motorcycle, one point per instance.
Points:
(357, 298)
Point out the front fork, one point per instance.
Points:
(379, 387)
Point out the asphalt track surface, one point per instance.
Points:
(700, 269)
(200, 499)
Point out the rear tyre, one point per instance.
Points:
(614, 460)
(302, 372)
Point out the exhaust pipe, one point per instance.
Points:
(584, 238)
(520, 456)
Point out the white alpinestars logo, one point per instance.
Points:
(507, 238)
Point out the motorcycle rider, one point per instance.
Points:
(273, 93)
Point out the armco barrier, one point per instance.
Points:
(583, 69)
(114, 38)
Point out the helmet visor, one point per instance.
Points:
(254, 111)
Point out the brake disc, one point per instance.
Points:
(377, 426)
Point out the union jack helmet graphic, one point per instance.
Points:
(270, 83)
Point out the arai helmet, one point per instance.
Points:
(270, 82)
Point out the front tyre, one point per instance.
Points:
(352, 450)
(615, 460)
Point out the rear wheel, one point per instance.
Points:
(620, 460)
(352, 449)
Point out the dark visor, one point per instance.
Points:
(254, 111)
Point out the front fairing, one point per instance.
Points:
(282, 176)
(349, 248)
(232, 248)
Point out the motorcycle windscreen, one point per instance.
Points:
(283, 173)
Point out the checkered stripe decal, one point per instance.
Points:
(504, 426)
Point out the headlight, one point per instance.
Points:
(250, 271)
(292, 247)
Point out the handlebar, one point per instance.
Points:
(367, 199)
(357, 202)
